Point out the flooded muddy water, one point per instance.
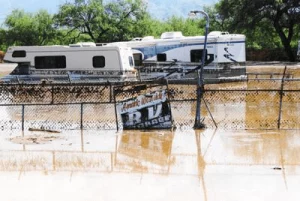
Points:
(229, 163)
(206, 165)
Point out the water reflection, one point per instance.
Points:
(159, 152)
(206, 160)
(164, 152)
(144, 151)
(201, 163)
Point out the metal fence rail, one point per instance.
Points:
(249, 104)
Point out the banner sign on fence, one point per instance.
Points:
(149, 111)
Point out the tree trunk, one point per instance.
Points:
(286, 42)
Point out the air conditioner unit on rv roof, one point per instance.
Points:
(171, 35)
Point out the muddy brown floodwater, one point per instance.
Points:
(206, 165)
(184, 164)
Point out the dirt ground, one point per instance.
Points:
(5, 68)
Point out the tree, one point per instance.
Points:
(66, 36)
(2, 39)
(147, 26)
(43, 23)
(216, 22)
(189, 27)
(29, 29)
(279, 16)
(114, 21)
(3, 44)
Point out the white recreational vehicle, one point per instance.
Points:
(74, 62)
(225, 53)
(222, 48)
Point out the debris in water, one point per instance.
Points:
(277, 168)
(33, 139)
(43, 129)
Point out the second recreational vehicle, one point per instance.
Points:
(225, 53)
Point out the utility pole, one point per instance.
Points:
(200, 84)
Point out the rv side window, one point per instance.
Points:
(161, 57)
(98, 61)
(50, 62)
(138, 57)
(131, 61)
(19, 53)
(196, 55)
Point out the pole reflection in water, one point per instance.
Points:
(201, 162)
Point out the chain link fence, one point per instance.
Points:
(254, 103)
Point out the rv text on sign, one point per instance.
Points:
(151, 110)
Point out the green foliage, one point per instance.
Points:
(265, 23)
(189, 27)
(147, 26)
(114, 21)
(3, 45)
(215, 22)
(29, 29)
(80, 16)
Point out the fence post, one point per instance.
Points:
(280, 100)
(23, 116)
(169, 102)
(52, 94)
(115, 104)
(110, 93)
(81, 116)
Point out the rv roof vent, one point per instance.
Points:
(171, 35)
(218, 33)
(88, 44)
(75, 45)
(83, 44)
(148, 38)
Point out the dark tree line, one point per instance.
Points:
(268, 23)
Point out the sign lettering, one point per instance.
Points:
(146, 111)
